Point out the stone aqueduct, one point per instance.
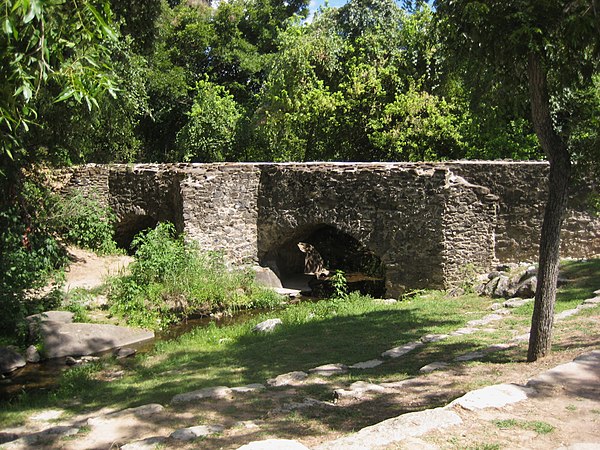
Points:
(425, 221)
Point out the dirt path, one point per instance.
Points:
(89, 270)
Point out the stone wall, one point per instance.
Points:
(426, 222)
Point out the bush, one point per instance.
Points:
(171, 279)
(86, 223)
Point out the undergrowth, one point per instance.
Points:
(171, 279)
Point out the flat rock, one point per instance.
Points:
(367, 364)
(581, 446)
(267, 326)
(191, 433)
(434, 338)
(397, 352)
(151, 443)
(40, 438)
(516, 302)
(464, 331)
(580, 374)
(255, 387)
(470, 356)
(125, 352)
(566, 313)
(485, 320)
(327, 370)
(287, 292)
(10, 360)
(52, 316)
(68, 339)
(210, 392)
(307, 403)
(47, 416)
(592, 301)
(274, 444)
(288, 379)
(358, 389)
(394, 430)
(495, 396)
(433, 366)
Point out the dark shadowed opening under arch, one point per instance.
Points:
(129, 226)
(314, 253)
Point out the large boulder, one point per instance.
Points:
(10, 360)
(508, 281)
(266, 277)
(78, 339)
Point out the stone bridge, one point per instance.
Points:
(417, 224)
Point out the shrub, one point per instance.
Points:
(171, 279)
(84, 222)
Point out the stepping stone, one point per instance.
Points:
(383, 434)
(210, 392)
(267, 326)
(433, 366)
(470, 356)
(495, 396)
(485, 320)
(328, 370)
(582, 373)
(516, 302)
(397, 352)
(189, 434)
(434, 338)
(274, 444)
(367, 364)
(255, 387)
(565, 314)
(41, 437)
(143, 411)
(521, 338)
(592, 301)
(499, 347)
(464, 331)
(47, 416)
(305, 404)
(288, 379)
(357, 389)
(151, 443)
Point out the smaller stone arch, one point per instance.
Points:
(312, 253)
(130, 225)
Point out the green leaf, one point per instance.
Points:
(7, 26)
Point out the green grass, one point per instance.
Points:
(533, 425)
(332, 331)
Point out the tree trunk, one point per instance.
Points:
(560, 167)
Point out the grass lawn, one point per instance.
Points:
(312, 334)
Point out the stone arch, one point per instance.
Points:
(311, 253)
(130, 225)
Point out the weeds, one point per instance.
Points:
(533, 425)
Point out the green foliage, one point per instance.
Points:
(340, 285)
(211, 128)
(171, 279)
(537, 426)
(83, 221)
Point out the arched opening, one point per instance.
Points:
(129, 226)
(307, 260)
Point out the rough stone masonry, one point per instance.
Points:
(426, 222)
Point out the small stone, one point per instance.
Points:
(470, 356)
(189, 434)
(274, 444)
(433, 366)
(255, 387)
(70, 361)
(267, 326)
(328, 370)
(496, 306)
(358, 389)
(464, 331)
(592, 301)
(367, 364)
(434, 338)
(288, 379)
(516, 302)
(32, 355)
(150, 443)
(397, 352)
(211, 392)
(125, 352)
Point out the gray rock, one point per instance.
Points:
(527, 288)
(367, 364)
(358, 389)
(52, 316)
(304, 404)
(41, 437)
(438, 365)
(434, 338)
(516, 302)
(69, 339)
(397, 352)
(502, 287)
(592, 301)
(211, 392)
(267, 326)
(266, 277)
(255, 387)
(274, 444)
(189, 434)
(125, 352)
(151, 443)
(492, 397)
(383, 434)
(470, 356)
(10, 360)
(288, 379)
(32, 355)
(328, 370)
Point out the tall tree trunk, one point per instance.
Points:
(560, 168)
